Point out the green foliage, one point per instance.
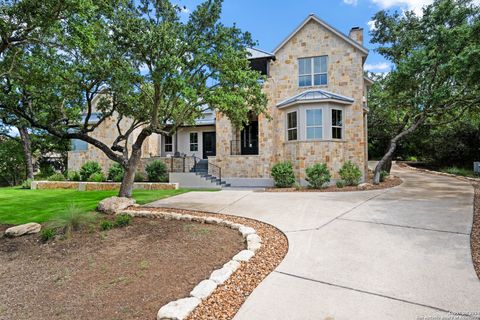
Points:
(156, 171)
(46, 169)
(74, 176)
(140, 177)
(106, 225)
(47, 234)
(122, 220)
(97, 177)
(12, 162)
(459, 171)
(72, 219)
(27, 184)
(350, 173)
(88, 169)
(383, 175)
(116, 172)
(318, 175)
(56, 177)
(282, 173)
(340, 184)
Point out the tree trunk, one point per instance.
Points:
(27, 150)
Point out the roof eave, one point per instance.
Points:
(293, 103)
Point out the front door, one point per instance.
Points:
(209, 144)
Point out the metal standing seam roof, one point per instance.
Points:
(315, 95)
(259, 54)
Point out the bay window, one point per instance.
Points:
(292, 126)
(314, 124)
(337, 124)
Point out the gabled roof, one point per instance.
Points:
(315, 95)
(326, 26)
(259, 54)
(368, 80)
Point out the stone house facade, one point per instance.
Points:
(316, 92)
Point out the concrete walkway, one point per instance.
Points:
(400, 253)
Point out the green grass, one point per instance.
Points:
(19, 206)
(460, 172)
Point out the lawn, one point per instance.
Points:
(19, 206)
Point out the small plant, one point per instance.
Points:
(139, 177)
(318, 175)
(89, 168)
(458, 171)
(341, 184)
(106, 225)
(72, 219)
(350, 173)
(383, 175)
(282, 173)
(56, 177)
(122, 220)
(412, 158)
(116, 172)
(156, 171)
(297, 186)
(47, 234)
(27, 184)
(73, 176)
(97, 177)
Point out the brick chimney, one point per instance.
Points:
(356, 34)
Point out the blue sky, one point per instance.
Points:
(270, 21)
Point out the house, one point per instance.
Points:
(316, 92)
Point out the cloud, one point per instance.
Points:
(351, 2)
(371, 25)
(378, 67)
(415, 5)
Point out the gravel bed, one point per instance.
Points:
(475, 234)
(227, 299)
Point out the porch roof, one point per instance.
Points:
(259, 54)
(315, 95)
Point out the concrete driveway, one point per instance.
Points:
(400, 253)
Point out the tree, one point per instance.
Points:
(12, 164)
(436, 66)
(153, 71)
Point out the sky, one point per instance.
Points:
(271, 21)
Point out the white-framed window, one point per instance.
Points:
(193, 141)
(314, 124)
(168, 145)
(312, 71)
(292, 126)
(337, 124)
(79, 145)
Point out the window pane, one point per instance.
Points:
(320, 79)
(193, 137)
(79, 145)
(337, 118)
(292, 120)
(168, 139)
(304, 66)
(320, 64)
(305, 81)
(314, 117)
(337, 133)
(292, 134)
(314, 133)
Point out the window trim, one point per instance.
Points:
(312, 71)
(292, 128)
(322, 126)
(332, 126)
(190, 143)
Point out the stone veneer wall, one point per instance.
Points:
(345, 77)
(100, 186)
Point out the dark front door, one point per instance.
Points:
(249, 138)
(209, 144)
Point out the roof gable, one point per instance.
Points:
(327, 26)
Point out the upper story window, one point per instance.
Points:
(337, 124)
(193, 141)
(314, 124)
(79, 145)
(292, 126)
(312, 71)
(168, 143)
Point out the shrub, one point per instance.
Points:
(139, 177)
(27, 184)
(116, 172)
(282, 173)
(156, 171)
(383, 175)
(47, 234)
(106, 225)
(122, 220)
(318, 175)
(350, 173)
(46, 169)
(73, 176)
(97, 177)
(458, 171)
(341, 184)
(56, 177)
(72, 219)
(89, 168)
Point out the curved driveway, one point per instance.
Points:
(400, 253)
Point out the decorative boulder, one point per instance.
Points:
(27, 228)
(114, 205)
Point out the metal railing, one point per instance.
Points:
(192, 164)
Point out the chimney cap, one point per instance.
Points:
(356, 28)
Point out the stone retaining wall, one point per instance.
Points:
(100, 186)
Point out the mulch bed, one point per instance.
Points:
(126, 273)
(227, 299)
(475, 234)
(390, 182)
